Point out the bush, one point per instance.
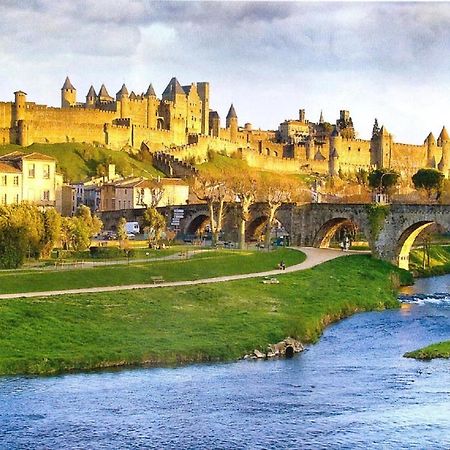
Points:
(105, 252)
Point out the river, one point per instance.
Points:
(352, 390)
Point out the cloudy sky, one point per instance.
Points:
(384, 60)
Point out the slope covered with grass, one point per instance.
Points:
(78, 161)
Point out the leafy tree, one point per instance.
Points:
(121, 231)
(429, 180)
(154, 224)
(383, 179)
(93, 223)
(52, 231)
(13, 245)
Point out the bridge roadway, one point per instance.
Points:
(314, 257)
(314, 224)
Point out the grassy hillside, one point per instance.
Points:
(190, 323)
(80, 161)
(439, 260)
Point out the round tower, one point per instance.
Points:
(232, 123)
(20, 106)
(68, 94)
(123, 102)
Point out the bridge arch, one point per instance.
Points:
(255, 228)
(407, 239)
(326, 232)
(197, 224)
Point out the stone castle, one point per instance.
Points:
(181, 127)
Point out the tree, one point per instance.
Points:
(13, 243)
(154, 224)
(244, 188)
(214, 191)
(52, 231)
(429, 180)
(122, 231)
(383, 180)
(273, 192)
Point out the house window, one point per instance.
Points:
(47, 171)
(46, 195)
(31, 171)
(16, 180)
(17, 198)
(4, 199)
(119, 204)
(4, 180)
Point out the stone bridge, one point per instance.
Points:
(315, 224)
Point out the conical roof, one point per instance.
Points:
(444, 135)
(102, 93)
(133, 96)
(91, 92)
(123, 91)
(213, 115)
(67, 85)
(430, 139)
(150, 91)
(321, 117)
(231, 113)
(318, 156)
(172, 89)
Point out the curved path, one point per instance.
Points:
(314, 256)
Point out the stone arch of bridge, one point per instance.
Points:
(197, 224)
(406, 241)
(326, 232)
(255, 228)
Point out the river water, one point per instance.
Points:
(352, 390)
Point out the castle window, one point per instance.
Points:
(4, 180)
(125, 192)
(17, 198)
(4, 199)
(349, 148)
(31, 171)
(119, 204)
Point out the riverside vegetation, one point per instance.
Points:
(190, 323)
(439, 350)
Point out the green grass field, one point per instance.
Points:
(202, 265)
(79, 161)
(439, 350)
(439, 260)
(186, 324)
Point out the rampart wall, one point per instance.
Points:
(5, 114)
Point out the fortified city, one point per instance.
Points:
(256, 261)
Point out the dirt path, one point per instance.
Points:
(314, 256)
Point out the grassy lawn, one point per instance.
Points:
(185, 324)
(439, 260)
(440, 350)
(202, 265)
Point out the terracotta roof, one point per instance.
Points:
(38, 156)
(6, 168)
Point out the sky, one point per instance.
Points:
(388, 61)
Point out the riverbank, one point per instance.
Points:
(190, 323)
(438, 262)
(439, 350)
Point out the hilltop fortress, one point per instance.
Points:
(180, 127)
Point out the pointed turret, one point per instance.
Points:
(122, 93)
(68, 94)
(91, 97)
(172, 90)
(430, 140)
(150, 91)
(443, 137)
(231, 113)
(68, 85)
(133, 96)
(321, 117)
(103, 95)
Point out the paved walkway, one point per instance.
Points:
(314, 256)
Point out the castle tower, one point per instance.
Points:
(385, 144)
(321, 117)
(152, 107)
(430, 144)
(203, 92)
(214, 124)
(335, 148)
(68, 94)
(91, 98)
(20, 106)
(123, 102)
(103, 96)
(232, 123)
(301, 115)
(444, 142)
